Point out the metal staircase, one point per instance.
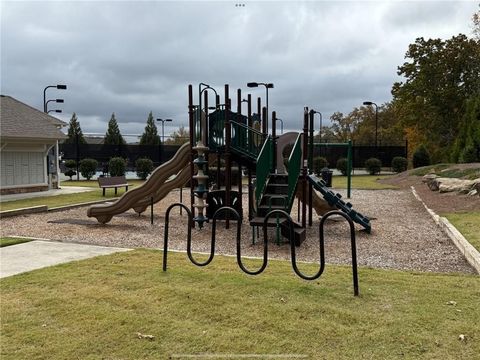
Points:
(273, 191)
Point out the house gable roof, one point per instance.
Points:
(19, 120)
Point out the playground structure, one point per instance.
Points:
(278, 171)
(235, 142)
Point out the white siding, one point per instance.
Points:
(22, 168)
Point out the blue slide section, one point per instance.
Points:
(335, 200)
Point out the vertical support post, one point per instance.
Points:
(228, 161)
(205, 128)
(239, 102)
(204, 134)
(406, 148)
(274, 141)
(349, 169)
(181, 199)
(310, 167)
(250, 140)
(264, 120)
(304, 167)
(151, 210)
(239, 166)
(192, 152)
(259, 109)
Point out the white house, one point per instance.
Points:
(28, 148)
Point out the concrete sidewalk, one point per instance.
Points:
(53, 192)
(37, 254)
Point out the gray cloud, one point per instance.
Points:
(134, 57)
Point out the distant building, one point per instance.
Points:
(28, 148)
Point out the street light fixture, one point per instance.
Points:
(267, 86)
(320, 132)
(60, 87)
(163, 127)
(369, 103)
(57, 111)
(281, 124)
(53, 100)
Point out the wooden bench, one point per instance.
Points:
(112, 182)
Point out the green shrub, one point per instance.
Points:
(468, 155)
(144, 167)
(117, 166)
(399, 164)
(319, 163)
(421, 157)
(88, 167)
(70, 173)
(70, 164)
(373, 166)
(342, 166)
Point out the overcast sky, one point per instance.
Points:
(133, 57)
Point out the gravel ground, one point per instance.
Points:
(403, 234)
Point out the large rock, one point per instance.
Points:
(430, 180)
(429, 177)
(455, 185)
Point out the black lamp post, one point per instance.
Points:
(369, 103)
(60, 87)
(267, 86)
(320, 132)
(281, 124)
(53, 100)
(163, 127)
(57, 111)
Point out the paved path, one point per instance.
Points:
(53, 192)
(37, 254)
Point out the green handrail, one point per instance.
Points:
(294, 167)
(264, 162)
(246, 140)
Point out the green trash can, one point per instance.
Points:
(327, 174)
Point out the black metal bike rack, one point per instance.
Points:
(265, 242)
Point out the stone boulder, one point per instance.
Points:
(460, 186)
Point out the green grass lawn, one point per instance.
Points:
(468, 225)
(364, 182)
(95, 309)
(8, 241)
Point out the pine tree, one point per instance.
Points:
(113, 135)
(150, 135)
(74, 130)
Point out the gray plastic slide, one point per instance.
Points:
(157, 186)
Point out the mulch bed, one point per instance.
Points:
(403, 234)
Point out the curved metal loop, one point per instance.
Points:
(214, 227)
(239, 256)
(293, 249)
(352, 240)
(167, 222)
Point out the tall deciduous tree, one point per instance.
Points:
(74, 131)
(179, 137)
(150, 135)
(343, 127)
(439, 77)
(113, 135)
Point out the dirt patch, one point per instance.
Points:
(441, 203)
